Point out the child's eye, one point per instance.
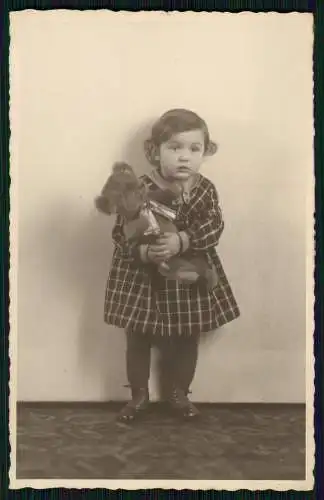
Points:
(195, 149)
(174, 147)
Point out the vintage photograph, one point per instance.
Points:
(161, 250)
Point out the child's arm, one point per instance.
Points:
(127, 250)
(204, 233)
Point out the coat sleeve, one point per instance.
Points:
(125, 249)
(205, 232)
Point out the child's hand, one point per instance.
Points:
(170, 243)
(157, 254)
(165, 247)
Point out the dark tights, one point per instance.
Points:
(178, 360)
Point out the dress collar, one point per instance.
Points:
(184, 191)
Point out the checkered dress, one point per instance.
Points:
(139, 298)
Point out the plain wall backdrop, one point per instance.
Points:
(85, 88)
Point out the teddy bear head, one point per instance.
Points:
(123, 193)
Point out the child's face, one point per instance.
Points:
(182, 155)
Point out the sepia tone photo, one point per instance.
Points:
(162, 247)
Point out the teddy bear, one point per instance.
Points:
(147, 216)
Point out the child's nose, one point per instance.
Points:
(184, 156)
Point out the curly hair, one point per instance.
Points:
(173, 122)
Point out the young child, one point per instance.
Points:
(155, 310)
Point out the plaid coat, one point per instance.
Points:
(139, 298)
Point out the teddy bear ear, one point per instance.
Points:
(211, 148)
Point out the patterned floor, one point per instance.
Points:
(237, 442)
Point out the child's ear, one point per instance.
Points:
(211, 149)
